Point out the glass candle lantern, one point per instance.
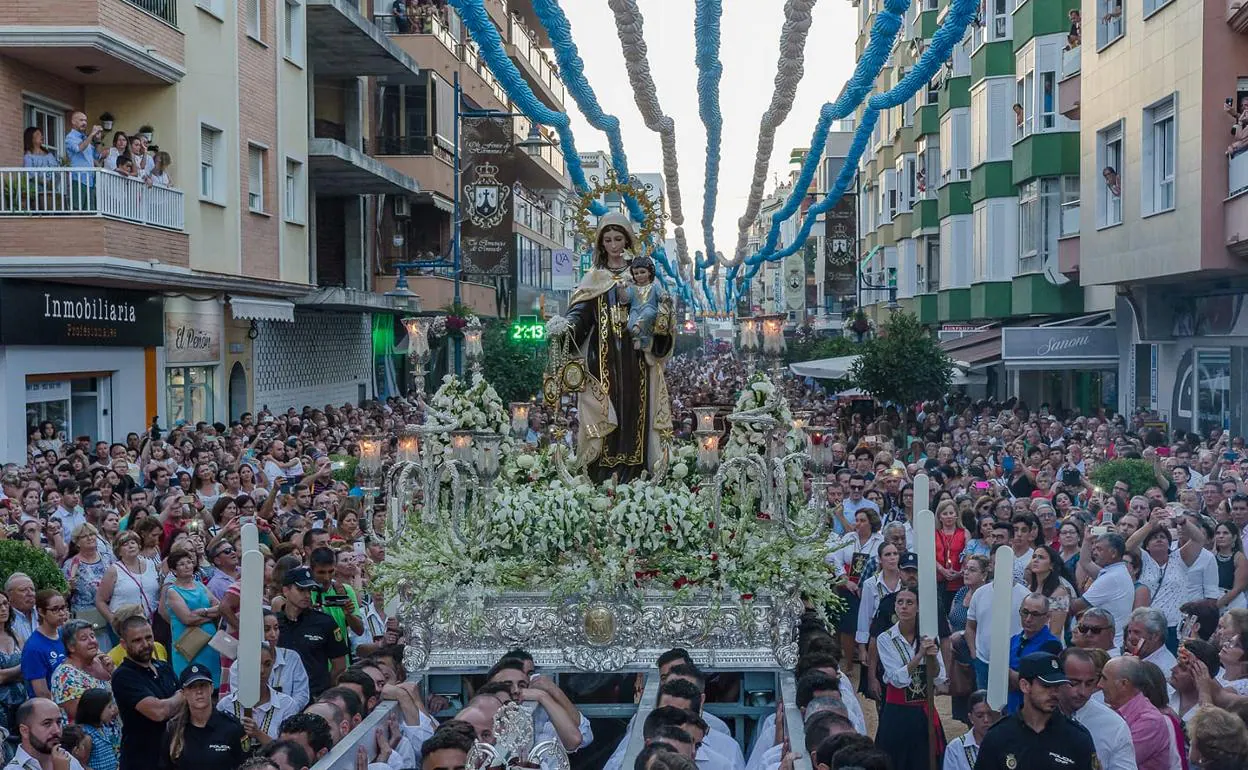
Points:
(408, 446)
(520, 419)
(706, 417)
(417, 335)
(369, 467)
(819, 441)
(708, 452)
(461, 445)
(486, 456)
(773, 336)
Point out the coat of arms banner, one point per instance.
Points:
(488, 175)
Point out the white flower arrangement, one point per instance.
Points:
(539, 533)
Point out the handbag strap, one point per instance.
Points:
(147, 606)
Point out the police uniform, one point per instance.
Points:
(314, 636)
(1063, 744)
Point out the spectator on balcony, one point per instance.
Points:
(121, 143)
(160, 171)
(1239, 126)
(1075, 37)
(139, 158)
(1112, 181)
(37, 154)
(399, 11)
(124, 166)
(81, 151)
(1113, 10)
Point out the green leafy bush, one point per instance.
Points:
(346, 473)
(904, 364)
(1138, 474)
(19, 556)
(515, 369)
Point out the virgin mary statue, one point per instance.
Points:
(624, 410)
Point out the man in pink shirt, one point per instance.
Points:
(1151, 733)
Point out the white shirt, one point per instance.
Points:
(269, 716)
(1110, 735)
(843, 558)
(766, 732)
(715, 724)
(544, 729)
(1163, 659)
(961, 752)
(724, 748)
(288, 676)
(892, 646)
(710, 759)
(1202, 577)
(873, 590)
(23, 761)
(980, 611)
(1167, 585)
(1113, 591)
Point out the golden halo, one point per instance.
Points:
(653, 225)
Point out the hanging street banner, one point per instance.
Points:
(840, 244)
(562, 270)
(488, 175)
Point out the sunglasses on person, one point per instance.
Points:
(1084, 628)
(858, 487)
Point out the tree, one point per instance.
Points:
(1139, 475)
(904, 364)
(514, 368)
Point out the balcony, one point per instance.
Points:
(344, 44)
(422, 158)
(536, 66)
(539, 169)
(340, 170)
(1069, 87)
(1237, 15)
(1071, 61)
(105, 42)
(1236, 213)
(524, 9)
(436, 292)
(92, 213)
(430, 41)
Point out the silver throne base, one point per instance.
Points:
(604, 634)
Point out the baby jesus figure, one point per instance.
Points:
(643, 303)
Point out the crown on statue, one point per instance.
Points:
(487, 170)
(650, 230)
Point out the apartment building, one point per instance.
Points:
(968, 194)
(1164, 201)
(124, 302)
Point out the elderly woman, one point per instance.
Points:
(83, 668)
(84, 571)
(1163, 570)
(1219, 740)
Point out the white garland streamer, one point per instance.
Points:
(629, 25)
(790, 69)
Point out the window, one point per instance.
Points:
(292, 32)
(1070, 206)
(294, 191)
(255, 178)
(887, 208)
(1048, 101)
(1159, 158)
(932, 94)
(1109, 22)
(211, 170)
(188, 393)
(1024, 114)
(1039, 222)
(1152, 6)
(955, 141)
(214, 7)
(995, 23)
(933, 264)
(49, 118)
(907, 188)
(1109, 187)
(253, 11)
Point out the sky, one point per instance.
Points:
(749, 48)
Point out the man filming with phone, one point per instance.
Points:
(333, 598)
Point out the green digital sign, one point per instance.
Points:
(528, 329)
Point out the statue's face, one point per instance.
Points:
(614, 242)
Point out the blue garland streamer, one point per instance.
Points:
(706, 33)
(951, 32)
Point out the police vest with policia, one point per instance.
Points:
(1039, 736)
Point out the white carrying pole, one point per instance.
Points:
(250, 619)
(925, 547)
(922, 492)
(1002, 607)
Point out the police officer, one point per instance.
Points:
(1039, 736)
(315, 636)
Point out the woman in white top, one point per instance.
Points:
(121, 144)
(884, 582)
(131, 580)
(850, 560)
(962, 751)
(904, 656)
(1164, 571)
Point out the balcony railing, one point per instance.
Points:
(428, 22)
(1071, 61)
(27, 192)
(1070, 219)
(527, 47)
(1237, 174)
(165, 10)
(552, 155)
(412, 145)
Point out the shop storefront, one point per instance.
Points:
(82, 358)
(192, 371)
(1067, 367)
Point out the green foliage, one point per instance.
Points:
(1138, 474)
(346, 473)
(815, 348)
(19, 556)
(903, 364)
(514, 369)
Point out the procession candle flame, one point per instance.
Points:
(472, 343)
(370, 456)
(708, 452)
(519, 418)
(820, 449)
(417, 335)
(409, 448)
(461, 445)
(706, 417)
(773, 336)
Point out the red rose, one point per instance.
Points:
(681, 582)
(764, 516)
(714, 557)
(746, 597)
(667, 527)
(710, 525)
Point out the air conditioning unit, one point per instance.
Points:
(402, 207)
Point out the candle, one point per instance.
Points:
(925, 547)
(250, 618)
(999, 641)
(922, 492)
(708, 452)
(461, 444)
(773, 336)
(801, 420)
(487, 457)
(820, 449)
(370, 459)
(409, 447)
(417, 335)
(706, 417)
(519, 419)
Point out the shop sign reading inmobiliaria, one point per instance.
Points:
(1059, 344)
(63, 314)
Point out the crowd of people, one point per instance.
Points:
(1128, 613)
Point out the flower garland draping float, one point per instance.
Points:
(540, 531)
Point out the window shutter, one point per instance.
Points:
(1112, 134)
(254, 174)
(207, 145)
(1163, 111)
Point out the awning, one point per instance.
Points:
(838, 368)
(261, 309)
(975, 350)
